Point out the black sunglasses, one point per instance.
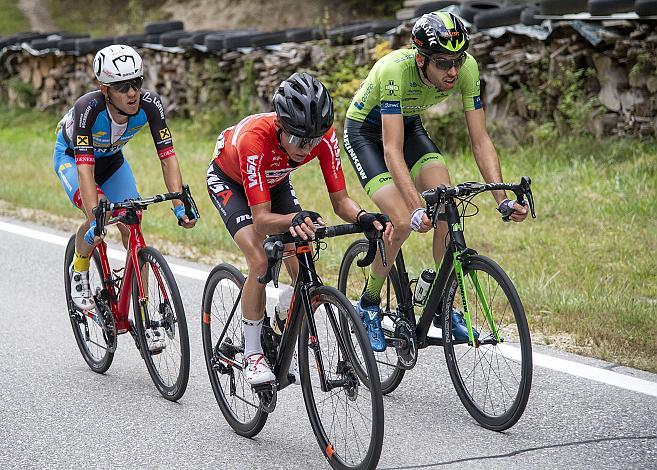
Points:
(446, 64)
(124, 87)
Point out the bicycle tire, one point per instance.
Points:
(326, 302)
(168, 368)
(99, 363)
(391, 376)
(510, 320)
(217, 305)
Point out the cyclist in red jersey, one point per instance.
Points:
(249, 184)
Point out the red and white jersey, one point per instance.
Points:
(250, 153)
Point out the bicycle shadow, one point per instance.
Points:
(523, 451)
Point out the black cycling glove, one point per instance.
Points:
(300, 217)
(366, 221)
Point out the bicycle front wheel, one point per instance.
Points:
(492, 378)
(346, 415)
(222, 314)
(161, 319)
(92, 341)
(351, 282)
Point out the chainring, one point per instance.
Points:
(407, 355)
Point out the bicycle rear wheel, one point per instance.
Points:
(492, 380)
(162, 313)
(347, 416)
(222, 311)
(90, 337)
(351, 281)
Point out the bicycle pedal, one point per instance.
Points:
(264, 387)
(396, 342)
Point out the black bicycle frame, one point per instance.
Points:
(433, 302)
(306, 281)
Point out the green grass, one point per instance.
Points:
(12, 19)
(585, 268)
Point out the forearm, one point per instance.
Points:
(172, 176)
(268, 223)
(347, 209)
(489, 165)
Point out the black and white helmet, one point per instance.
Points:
(303, 106)
(117, 63)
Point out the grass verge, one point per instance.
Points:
(584, 268)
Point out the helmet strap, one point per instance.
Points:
(423, 69)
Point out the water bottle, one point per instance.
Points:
(423, 285)
(284, 300)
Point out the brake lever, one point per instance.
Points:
(100, 211)
(273, 251)
(382, 249)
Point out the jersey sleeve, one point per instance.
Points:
(469, 84)
(154, 109)
(390, 88)
(85, 112)
(250, 150)
(329, 162)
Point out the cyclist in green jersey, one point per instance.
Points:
(392, 153)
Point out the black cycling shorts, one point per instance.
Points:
(229, 198)
(364, 146)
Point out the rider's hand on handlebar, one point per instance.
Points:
(89, 235)
(513, 210)
(179, 212)
(303, 224)
(375, 222)
(420, 222)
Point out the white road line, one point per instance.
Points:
(542, 360)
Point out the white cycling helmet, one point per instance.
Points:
(117, 63)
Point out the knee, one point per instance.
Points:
(257, 262)
(402, 229)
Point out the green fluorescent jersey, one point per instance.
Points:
(393, 86)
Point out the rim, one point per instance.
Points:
(244, 403)
(492, 374)
(346, 412)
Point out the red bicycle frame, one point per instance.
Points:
(120, 305)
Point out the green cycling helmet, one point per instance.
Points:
(439, 32)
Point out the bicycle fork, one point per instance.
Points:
(343, 368)
(460, 278)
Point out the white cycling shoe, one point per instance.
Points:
(81, 291)
(155, 340)
(256, 370)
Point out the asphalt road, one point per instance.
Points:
(56, 413)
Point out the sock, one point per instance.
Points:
(252, 331)
(372, 294)
(81, 263)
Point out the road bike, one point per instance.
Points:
(491, 369)
(146, 279)
(346, 413)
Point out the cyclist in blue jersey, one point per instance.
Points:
(392, 153)
(88, 157)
